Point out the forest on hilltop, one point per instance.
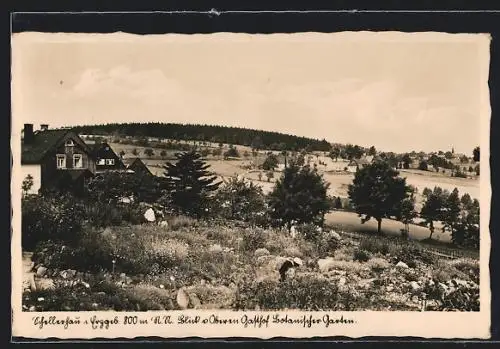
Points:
(257, 139)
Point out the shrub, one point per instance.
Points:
(49, 218)
(467, 266)
(304, 293)
(177, 222)
(92, 253)
(239, 199)
(253, 239)
(327, 243)
(309, 231)
(100, 214)
(462, 298)
(378, 264)
(377, 245)
(168, 250)
(361, 255)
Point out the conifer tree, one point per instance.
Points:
(190, 183)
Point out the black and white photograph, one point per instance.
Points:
(338, 173)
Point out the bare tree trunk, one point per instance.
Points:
(379, 225)
(431, 227)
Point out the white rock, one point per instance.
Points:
(125, 200)
(298, 261)
(215, 248)
(335, 235)
(342, 281)
(149, 215)
(402, 265)
(414, 285)
(163, 224)
(182, 299)
(41, 271)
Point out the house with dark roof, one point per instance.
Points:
(55, 159)
(136, 165)
(357, 164)
(106, 159)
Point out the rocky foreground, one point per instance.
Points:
(231, 267)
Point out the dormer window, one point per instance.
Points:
(110, 162)
(101, 162)
(69, 143)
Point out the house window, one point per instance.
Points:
(110, 162)
(77, 161)
(101, 162)
(69, 143)
(61, 160)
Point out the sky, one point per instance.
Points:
(398, 92)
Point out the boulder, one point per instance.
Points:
(325, 264)
(182, 299)
(335, 235)
(149, 215)
(297, 261)
(68, 274)
(216, 248)
(402, 265)
(414, 286)
(40, 271)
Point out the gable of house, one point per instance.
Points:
(138, 166)
(106, 158)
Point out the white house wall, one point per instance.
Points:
(36, 172)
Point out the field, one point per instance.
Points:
(335, 174)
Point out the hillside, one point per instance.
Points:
(208, 133)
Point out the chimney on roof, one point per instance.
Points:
(28, 133)
(44, 127)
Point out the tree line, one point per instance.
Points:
(256, 139)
